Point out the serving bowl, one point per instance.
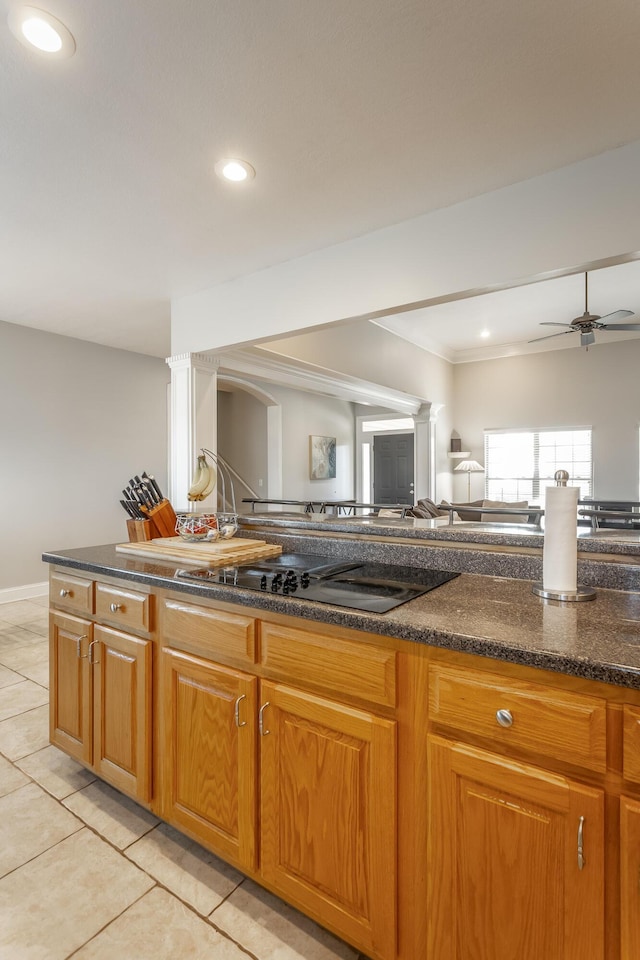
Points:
(197, 526)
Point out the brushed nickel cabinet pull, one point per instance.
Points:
(114, 607)
(79, 646)
(90, 652)
(261, 726)
(581, 859)
(504, 718)
(65, 593)
(237, 712)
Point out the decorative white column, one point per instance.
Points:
(193, 423)
(425, 450)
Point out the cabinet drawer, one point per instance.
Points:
(228, 637)
(338, 666)
(71, 593)
(631, 741)
(565, 726)
(126, 608)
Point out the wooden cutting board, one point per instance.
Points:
(235, 550)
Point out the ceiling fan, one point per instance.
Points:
(589, 322)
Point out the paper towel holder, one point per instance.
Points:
(581, 593)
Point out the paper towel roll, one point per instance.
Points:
(560, 552)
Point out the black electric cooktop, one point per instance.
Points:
(373, 587)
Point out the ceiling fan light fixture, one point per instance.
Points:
(590, 322)
(39, 29)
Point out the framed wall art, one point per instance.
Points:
(322, 458)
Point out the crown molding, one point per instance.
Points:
(202, 361)
(299, 375)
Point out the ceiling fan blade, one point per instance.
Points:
(620, 326)
(552, 335)
(587, 338)
(550, 323)
(616, 315)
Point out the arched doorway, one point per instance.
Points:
(241, 404)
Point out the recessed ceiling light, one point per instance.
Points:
(234, 170)
(485, 334)
(37, 28)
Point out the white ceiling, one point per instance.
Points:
(355, 115)
(513, 317)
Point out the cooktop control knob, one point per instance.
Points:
(304, 579)
(263, 582)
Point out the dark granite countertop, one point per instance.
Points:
(489, 616)
(621, 542)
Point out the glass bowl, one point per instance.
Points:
(227, 525)
(197, 526)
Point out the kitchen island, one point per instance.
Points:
(418, 781)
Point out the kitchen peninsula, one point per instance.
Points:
(462, 770)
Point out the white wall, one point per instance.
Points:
(362, 349)
(242, 440)
(76, 421)
(583, 212)
(304, 414)
(599, 388)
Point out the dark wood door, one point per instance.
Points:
(393, 468)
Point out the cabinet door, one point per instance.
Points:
(516, 860)
(630, 878)
(328, 813)
(70, 683)
(209, 768)
(122, 711)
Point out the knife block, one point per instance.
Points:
(139, 530)
(163, 518)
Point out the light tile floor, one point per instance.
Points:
(87, 873)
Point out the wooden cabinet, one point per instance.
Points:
(122, 700)
(208, 750)
(70, 700)
(515, 860)
(328, 813)
(422, 804)
(520, 715)
(321, 773)
(100, 703)
(123, 607)
(629, 878)
(71, 593)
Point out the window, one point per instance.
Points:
(519, 464)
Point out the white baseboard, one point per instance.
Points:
(26, 592)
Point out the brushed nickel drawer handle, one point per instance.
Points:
(236, 711)
(114, 607)
(581, 859)
(261, 726)
(79, 646)
(504, 718)
(65, 593)
(90, 652)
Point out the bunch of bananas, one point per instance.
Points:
(204, 480)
